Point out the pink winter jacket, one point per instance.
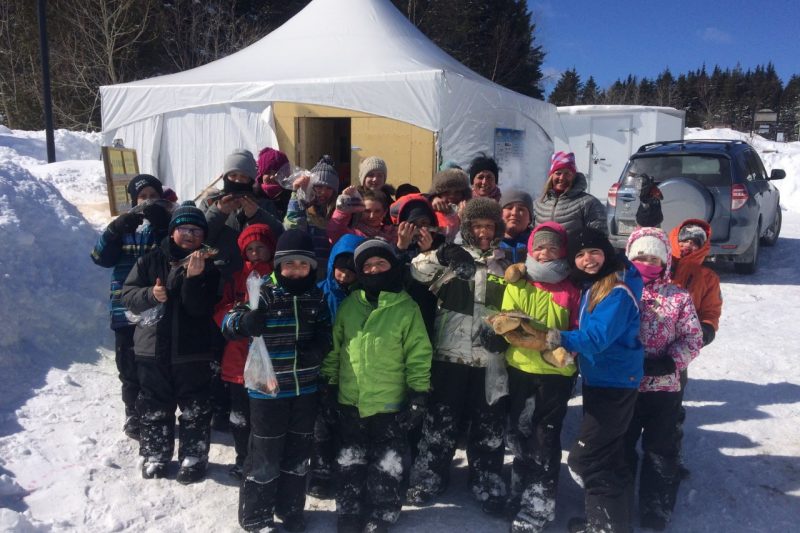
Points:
(669, 323)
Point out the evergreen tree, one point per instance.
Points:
(567, 89)
(590, 94)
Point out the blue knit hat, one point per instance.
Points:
(188, 213)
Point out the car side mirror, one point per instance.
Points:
(777, 174)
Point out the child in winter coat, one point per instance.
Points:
(539, 391)
(672, 337)
(377, 378)
(339, 283)
(257, 245)
(293, 318)
(178, 284)
(610, 358)
(450, 188)
(126, 239)
(361, 214)
(468, 281)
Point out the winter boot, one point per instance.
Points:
(131, 427)
(376, 525)
(653, 521)
(192, 470)
(577, 524)
(523, 526)
(236, 472)
(321, 488)
(154, 468)
(494, 505)
(294, 523)
(348, 523)
(419, 497)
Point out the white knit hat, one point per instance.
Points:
(368, 165)
(648, 245)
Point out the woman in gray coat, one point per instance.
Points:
(565, 199)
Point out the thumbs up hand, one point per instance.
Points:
(160, 291)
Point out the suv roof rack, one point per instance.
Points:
(649, 146)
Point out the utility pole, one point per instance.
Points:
(48, 104)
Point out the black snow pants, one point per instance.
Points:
(277, 459)
(597, 459)
(164, 387)
(655, 419)
(240, 420)
(323, 455)
(538, 405)
(370, 463)
(126, 366)
(459, 393)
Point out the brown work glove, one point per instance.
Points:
(559, 357)
(533, 340)
(515, 272)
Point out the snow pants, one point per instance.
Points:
(597, 459)
(655, 419)
(164, 387)
(126, 366)
(323, 455)
(277, 459)
(538, 405)
(459, 393)
(370, 463)
(240, 420)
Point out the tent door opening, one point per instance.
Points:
(316, 137)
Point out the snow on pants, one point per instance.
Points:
(370, 463)
(655, 419)
(220, 397)
(597, 459)
(538, 405)
(323, 454)
(459, 394)
(240, 420)
(126, 366)
(164, 387)
(277, 459)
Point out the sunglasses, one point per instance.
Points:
(193, 232)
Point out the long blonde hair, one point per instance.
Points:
(602, 288)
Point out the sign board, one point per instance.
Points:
(509, 147)
(121, 166)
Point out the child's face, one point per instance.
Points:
(482, 230)
(258, 252)
(373, 214)
(544, 253)
(376, 265)
(238, 177)
(374, 180)
(687, 247)
(648, 260)
(344, 276)
(322, 194)
(188, 237)
(452, 196)
(590, 260)
(147, 193)
(516, 217)
(295, 269)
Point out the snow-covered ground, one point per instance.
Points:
(66, 466)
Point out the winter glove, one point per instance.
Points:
(492, 341)
(536, 340)
(457, 258)
(126, 223)
(559, 357)
(411, 417)
(649, 213)
(328, 402)
(708, 333)
(158, 216)
(253, 323)
(660, 366)
(515, 272)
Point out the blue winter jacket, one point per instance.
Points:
(607, 338)
(516, 249)
(334, 294)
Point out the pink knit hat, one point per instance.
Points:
(561, 160)
(270, 161)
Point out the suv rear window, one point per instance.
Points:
(711, 171)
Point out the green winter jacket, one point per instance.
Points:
(378, 352)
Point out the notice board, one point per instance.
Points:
(121, 166)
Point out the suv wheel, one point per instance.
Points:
(771, 235)
(750, 264)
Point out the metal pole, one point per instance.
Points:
(48, 104)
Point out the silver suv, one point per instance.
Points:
(721, 181)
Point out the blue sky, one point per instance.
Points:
(611, 39)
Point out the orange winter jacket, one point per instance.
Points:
(701, 282)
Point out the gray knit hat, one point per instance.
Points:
(372, 248)
(323, 173)
(451, 179)
(692, 232)
(368, 165)
(515, 195)
(241, 161)
(482, 208)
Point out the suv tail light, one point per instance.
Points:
(612, 195)
(739, 196)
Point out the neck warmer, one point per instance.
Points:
(648, 272)
(232, 187)
(389, 281)
(176, 253)
(296, 287)
(550, 272)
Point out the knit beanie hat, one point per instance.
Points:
(256, 232)
(481, 208)
(368, 165)
(375, 247)
(295, 245)
(451, 179)
(546, 237)
(270, 161)
(648, 245)
(515, 195)
(561, 160)
(592, 238)
(187, 213)
(692, 232)
(481, 163)
(241, 161)
(141, 181)
(323, 173)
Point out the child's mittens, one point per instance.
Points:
(559, 357)
(515, 272)
(411, 417)
(350, 201)
(253, 323)
(491, 340)
(458, 259)
(659, 366)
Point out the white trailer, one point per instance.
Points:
(604, 136)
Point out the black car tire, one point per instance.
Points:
(751, 264)
(771, 235)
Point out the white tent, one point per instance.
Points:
(361, 55)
